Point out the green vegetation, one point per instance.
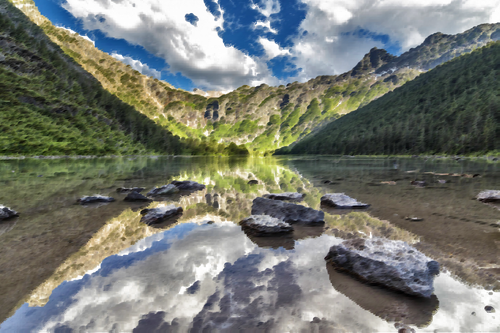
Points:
(453, 109)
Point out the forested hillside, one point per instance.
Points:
(263, 118)
(452, 109)
(49, 105)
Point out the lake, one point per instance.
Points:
(66, 267)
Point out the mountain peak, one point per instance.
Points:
(372, 61)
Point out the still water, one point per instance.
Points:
(72, 268)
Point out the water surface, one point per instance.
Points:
(66, 267)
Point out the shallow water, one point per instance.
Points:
(66, 267)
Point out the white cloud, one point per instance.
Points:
(137, 65)
(160, 27)
(272, 48)
(326, 49)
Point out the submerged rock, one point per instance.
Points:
(285, 196)
(393, 264)
(164, 190)
(136, 196)
(340, 200)
(287, 212)
(188, 185)
(265, 225)
(129, 189)
(7, 213)
(159, 214)
(489, 196)
(94, 198)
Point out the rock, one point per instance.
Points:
(253, 182)
(389, 182)
(136, 196)
(489, 309)
(418, 183)
(188, 185)
(265, 225)
(413, 218)
(441, 181)
(393, 264)
(288, 212)
(340, 200)
(94, 198)
(489, 196)
(7, 213)
(164, 190)
(129, 189)
(159, 214)
(285, 196)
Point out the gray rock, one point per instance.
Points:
(340, 200)
(136, 196)
(164, 190)
(94, 198)
(7, 213)
(285, 196)
(265, 225)
(489, 196)
(393, 264)
(188, 185)
(489, 309)
(159, 214)
(129, 189)
(287, 212)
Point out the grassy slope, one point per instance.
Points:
(453, 109)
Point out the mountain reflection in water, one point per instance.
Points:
(188, 275)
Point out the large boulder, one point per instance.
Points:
(393, 264)
(159, 214)
(188, 185)
(94, 198)
(489, 196)
(129, 189)
(7, 213)
(288, 212)
(136, 196)
(164, 190)
(340, 200)
(265, 225)
(294, 196)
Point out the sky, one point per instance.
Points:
(224, 44)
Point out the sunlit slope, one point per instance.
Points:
(453, 109)
(263, 118)
(50, 106)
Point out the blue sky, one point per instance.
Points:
(223, 44)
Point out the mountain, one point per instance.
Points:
(263, 118)
(453, 109)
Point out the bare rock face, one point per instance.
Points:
(393, 264)
(188, 185)
(265, 225)
(164, 190)
(136, 196)
(129, 189)
(489, 196)
(287, 212)
(294, 196)
(94, 198)
(159, 214)
(340, 200)
(7, 213)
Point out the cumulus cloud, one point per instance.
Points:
(161, 28)
(331, 45)
(137, 65)
(272, 49)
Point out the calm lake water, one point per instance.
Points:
(71, 268)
